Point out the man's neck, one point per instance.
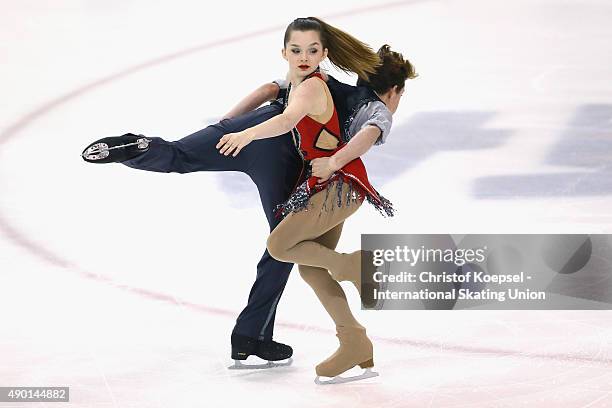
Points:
(383, 98)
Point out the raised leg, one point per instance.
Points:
(198, 152)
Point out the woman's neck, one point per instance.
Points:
(296, 80)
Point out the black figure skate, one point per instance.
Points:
(116, 149)
(243, 347)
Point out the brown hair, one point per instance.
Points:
(393, 71)
(343, 50)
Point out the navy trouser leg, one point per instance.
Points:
(198, 152)
(273, 164)
(275, 172)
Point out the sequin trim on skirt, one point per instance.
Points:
(300, 198)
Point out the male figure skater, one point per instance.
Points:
(274, 166)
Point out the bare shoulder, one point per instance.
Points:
(312, 86)
(311, 96)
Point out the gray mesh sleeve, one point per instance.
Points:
(377, 114)
(282, 83)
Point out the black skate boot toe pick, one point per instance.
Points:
(243, 347)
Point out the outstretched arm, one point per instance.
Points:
(253, 100)
(324, 167)
(307, 99)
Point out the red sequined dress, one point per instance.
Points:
(314, 140)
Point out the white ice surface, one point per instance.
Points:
(124, 285)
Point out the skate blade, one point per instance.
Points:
(238, 365)
(100, 151)
(368, 373)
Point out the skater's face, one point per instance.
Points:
(304, 51)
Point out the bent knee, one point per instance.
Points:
(277, 247)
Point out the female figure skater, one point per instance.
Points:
(309, 237)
